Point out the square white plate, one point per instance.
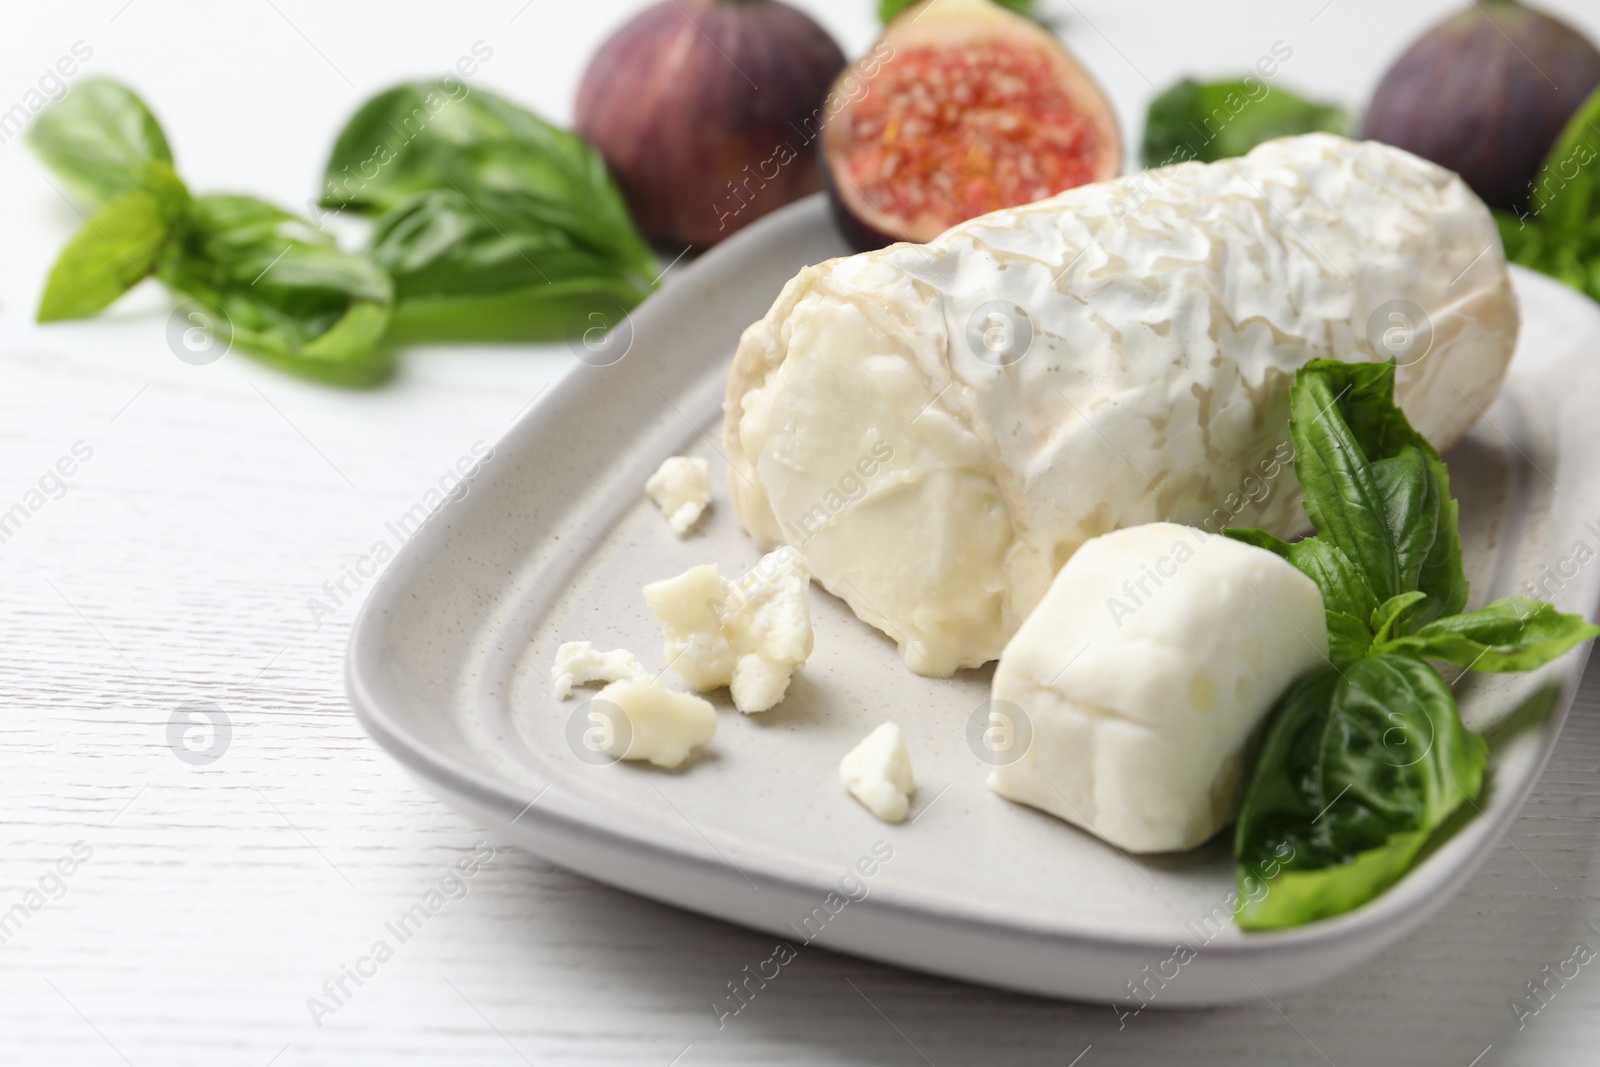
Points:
(449, 665)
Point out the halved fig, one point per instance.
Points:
(961, 109)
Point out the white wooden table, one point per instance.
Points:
(207, 904)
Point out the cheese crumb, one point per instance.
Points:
(878, 773)
(655, 723)
(750, 634)
(681, 488)
(579, 663)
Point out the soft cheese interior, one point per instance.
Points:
(1143, 673)
(937, 481)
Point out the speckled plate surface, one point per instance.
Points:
(449, 663)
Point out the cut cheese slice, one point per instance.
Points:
(1143, 673)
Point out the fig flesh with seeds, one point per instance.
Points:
(961, 109)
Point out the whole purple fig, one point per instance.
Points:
(707, 112)
(1485, 93)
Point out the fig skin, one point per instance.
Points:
(1486, 93)
(702, 109)
(859, 234)
(940, 24)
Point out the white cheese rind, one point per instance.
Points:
(1169, 311)
(750, 634)
(656, 723)
(1143, 673)
(580, 663)
(681, 488)
(877, 772)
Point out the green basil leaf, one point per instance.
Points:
(546, 313)
(1216, 120)
(1423, 522)
(1348, 636)
(1411, 509)
(1526, 238)
(1261, 539)
(1343, 587)
(288, 293)
(1375, 488)
(1559, 234)
(1361, 763)
(1566, 191)
(1347, 599)
(1365, 393)
(1419, 510)
(1295, 897)
(1443, 577)
(115, 250)
(1570, 264)
(424, 136)
(448, 244)
(1364, 761)
(1388, 613)
(1342, 498)
(483, 192)
(98, 139)
(1510, 634)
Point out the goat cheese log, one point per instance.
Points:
(939, 427)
